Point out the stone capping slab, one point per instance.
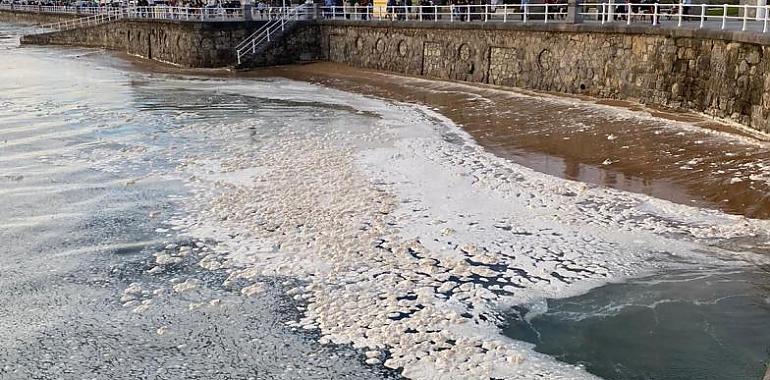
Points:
(47, 13)
(671, 32)
(60, 14)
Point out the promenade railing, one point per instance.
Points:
(185, 13)
(752, 18)
(160, 12)
(58, 8)
(725, 17)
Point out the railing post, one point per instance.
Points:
(745, 17)
(681, 10)
(573, 12)
(702, 15)
(468, 13)
(724, 15)
(505, 13)
(545, 19)
(628, 14)
(526, 10)
(764, 30)
(603, 5)
(655, 15)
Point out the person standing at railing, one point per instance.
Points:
(347, 8)
(367, 7)
(620, 10)
(408, 11)
(390, 9)
(261, 8)
(423, 10)
(142, 4)
(210, 9)
(686, 7)
(524, 6)
(329, 5)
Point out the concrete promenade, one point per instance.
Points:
(603, 14)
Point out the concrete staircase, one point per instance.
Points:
(253, 47)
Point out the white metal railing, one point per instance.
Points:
(58, 8)
(161, 12)
(261, 13)
(452, 13)
(269, 31)
(725, 16)
(186, 13)
(752, 18)
(82, 22)
(733, 17)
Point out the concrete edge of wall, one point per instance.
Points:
(189, 44)
(35, 17)
(615, 28)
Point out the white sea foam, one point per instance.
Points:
(410, 238)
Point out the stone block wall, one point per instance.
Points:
(186, 44)
(721, 74)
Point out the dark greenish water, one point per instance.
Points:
(703, 325)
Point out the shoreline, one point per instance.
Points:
(530, 147)
(735, 196)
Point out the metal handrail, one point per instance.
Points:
(75, 23)
(159, 12)
(707, 16)
(186, 13)
(734, 17)
(249, 44)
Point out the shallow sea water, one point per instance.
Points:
(143, 238)
(84, 190)
(706, 324)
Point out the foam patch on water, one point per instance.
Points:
(411, 239)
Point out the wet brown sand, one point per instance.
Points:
(678, 156)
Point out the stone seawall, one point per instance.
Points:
(187, 44)
(718, 73)
(34, 18)
(723, 74)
